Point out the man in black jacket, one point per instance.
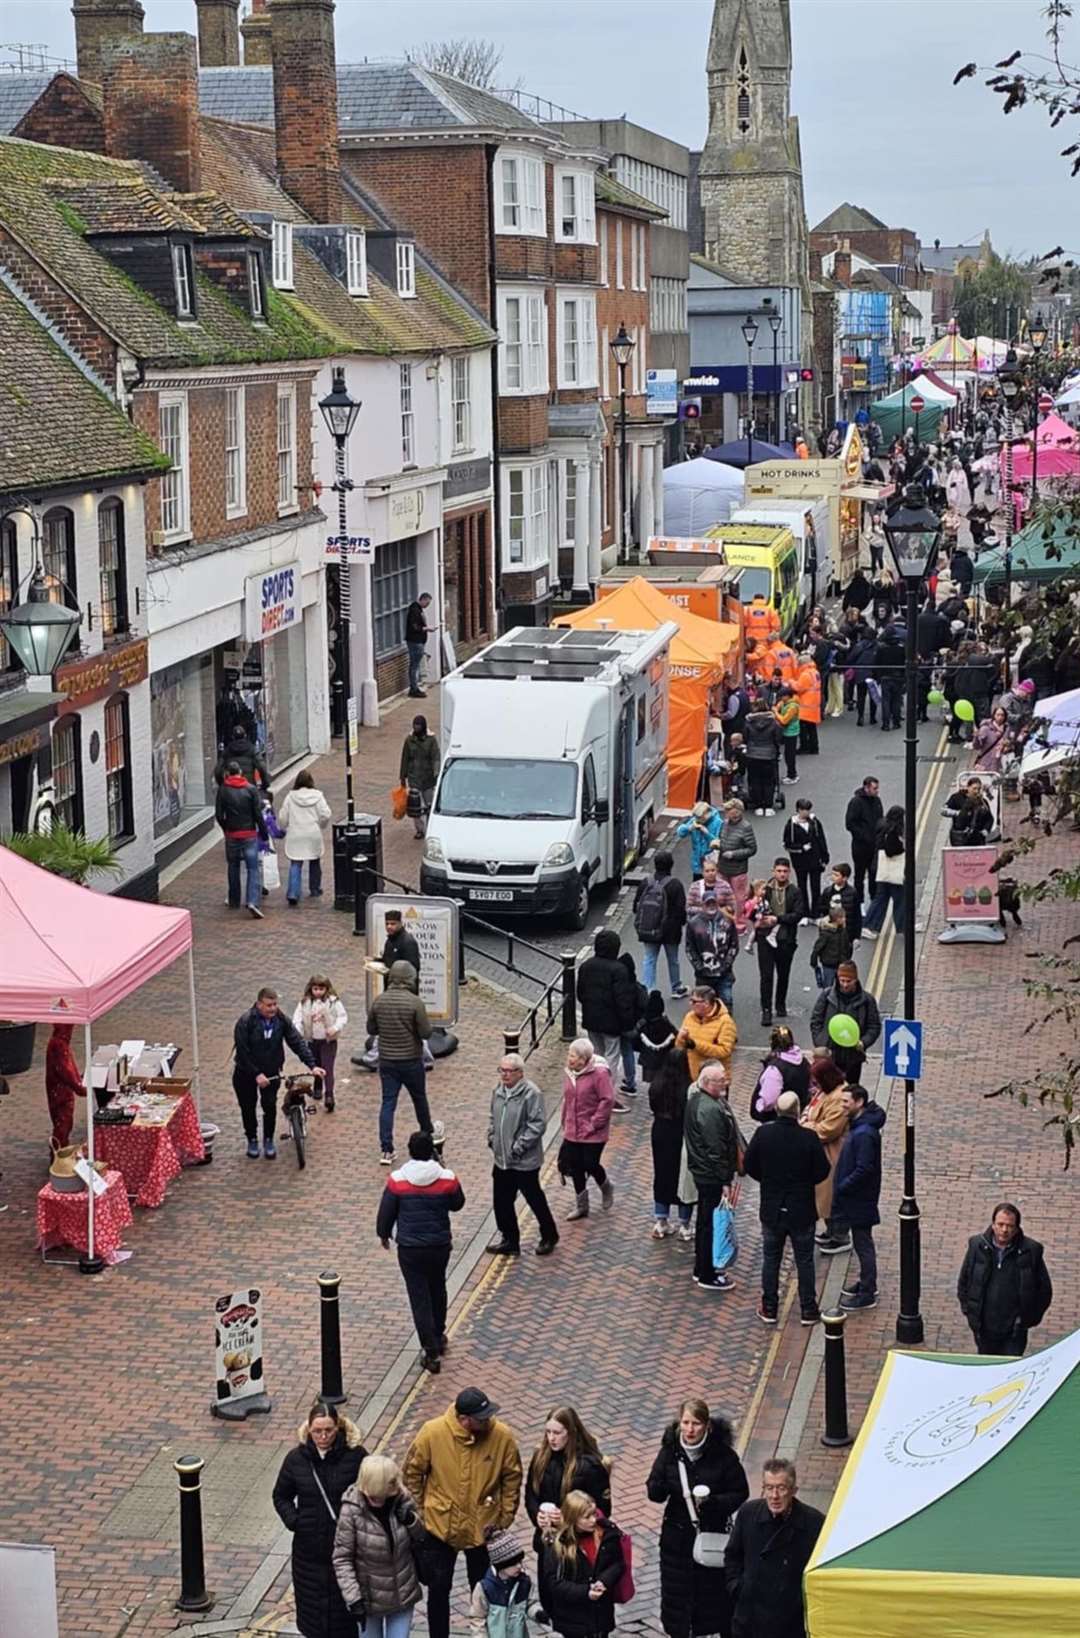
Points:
(1004, 1288)
(417, 632)
(417, 1201)
(846, 996)
(259, 1040)
(932, 634)
(776, 936)
(788, 1160)
(864, 812)
(769, 1548)
(659, 919)
(606, 996)
(241, 749)
(888, 668)
(400, 944)
(238, 810)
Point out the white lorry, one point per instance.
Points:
(554, 766)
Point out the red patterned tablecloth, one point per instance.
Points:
(151, 1156)
(61, 1218)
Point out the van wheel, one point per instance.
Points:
(579, 915)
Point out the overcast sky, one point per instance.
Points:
(881, 123)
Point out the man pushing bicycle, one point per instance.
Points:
(260, 1038)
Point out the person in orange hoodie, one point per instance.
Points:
(63, 1084)
(807, 687)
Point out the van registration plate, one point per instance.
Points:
(499, 895)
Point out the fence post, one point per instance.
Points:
(569, 996)
(511, 1040)
(193, 1593)
(836, 1424)
(330, 1326)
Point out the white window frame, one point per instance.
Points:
(235, 452)
(176, 483)
(515, 515)
(569, 502)
(520, 195)
(283, 256)
(620, 283)
(523, 352)
(183, 281)
(461, 401)
(642, 282)
(605, 363)
(408, 415)
(288, 499)
(603, 256)
(576, 224)
(576, 320)
(256, 298)
(527, 516)
(406, 269)
(356, 262)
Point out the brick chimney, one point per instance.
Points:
(305, 105)
(841, 271)
(256, 32)
(219, 33)
(99, 23)
(152, 105)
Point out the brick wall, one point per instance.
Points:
(305, 105)
(63, 117)
(98, 24)
(81, 333)
(441, 194)
(152, 105)
(524, 258)
(578, 264)
(392, 675)
(227, 266)
(523, 424)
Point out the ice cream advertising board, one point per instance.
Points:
(969, 884)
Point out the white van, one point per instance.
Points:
(554, 767)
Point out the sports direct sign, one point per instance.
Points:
(273, 601)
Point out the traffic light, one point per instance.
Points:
(690, 409)
(806, 375)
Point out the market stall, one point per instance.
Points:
(952, 1444)
(702, 654)
(1046, 550)
(837, 480)
(68, 955)
(698, 494)
(894, 413)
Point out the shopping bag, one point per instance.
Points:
(399, 800)
(623, 1590)
(271, 873)
(725, 1241)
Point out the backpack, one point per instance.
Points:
(650, 911)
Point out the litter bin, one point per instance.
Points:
(346, 846)
(366, 879)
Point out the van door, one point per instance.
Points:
(592, 848)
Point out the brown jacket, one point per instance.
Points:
(463, 1484)
(368, 1567)
(712, 1039)
(827, 1115)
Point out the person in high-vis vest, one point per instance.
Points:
(784, 660)
(760, 619)
(758, 661)
(807, 687)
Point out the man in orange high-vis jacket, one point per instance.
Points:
(807, 687)
(784, 660)
(760, 620)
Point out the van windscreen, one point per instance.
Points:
(504, 788)
(754, 583)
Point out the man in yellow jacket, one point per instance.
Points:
(463, 1471)
(708, 1032)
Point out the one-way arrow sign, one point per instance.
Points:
(903, 1048)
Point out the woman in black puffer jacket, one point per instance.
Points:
(581, 1564)
(694, 1600)
(567, 1458)
(330, 1446)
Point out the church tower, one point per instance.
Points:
(750, 175)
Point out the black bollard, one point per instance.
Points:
(836, 1428)
(569, 997)
(511, 1040)
(361, 889)
(330, 1320)
(193, 1593)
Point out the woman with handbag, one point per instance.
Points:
(419, 773)
(373, 1555)
(581, 1567)
(699, 1476)
(314, 1477)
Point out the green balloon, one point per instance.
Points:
(844, 1030)
(935, 697)
(964, 710)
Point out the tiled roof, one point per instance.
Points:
(125, 205)
(610, 192)
(214, 217)
(34, 213)
(18, 94)
(849, 219)
(714, 267)
(371, 97)
(56, 427)
(946, 258)
(238, 163)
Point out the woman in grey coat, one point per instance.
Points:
(373, 1550)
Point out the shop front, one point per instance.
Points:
(468, 580)
(25, 758)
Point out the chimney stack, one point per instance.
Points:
(152, 105)
(256, 32)
(100, 23)
(305, 105)
(219, 33)
(842, 267)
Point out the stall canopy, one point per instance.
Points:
(936, 391)
(698, 494)
(700, 656)
(950, 1444)
(1059, 455)
(1031, 559)
(894, 413)
(736, 452)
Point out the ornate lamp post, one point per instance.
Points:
(339, 411)
(749, 330)
(622, 351)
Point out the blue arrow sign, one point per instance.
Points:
(903, 1039)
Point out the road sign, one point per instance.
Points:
(903, 1038)
(918, 404)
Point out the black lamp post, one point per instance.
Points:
(1037, 336)
(749, 330)
(622, 351)
(912, 532)
(339, 411)
(1009, 381)
(40, 631)
(776, 324)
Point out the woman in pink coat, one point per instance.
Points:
(588, 1099)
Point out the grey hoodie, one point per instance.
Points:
(516, 1127)
(398, 1016)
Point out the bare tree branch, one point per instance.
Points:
(475, 61)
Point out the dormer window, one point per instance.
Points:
(183, 281)
(406, 269)
(356, 264)
(255, 285)
(283, 256)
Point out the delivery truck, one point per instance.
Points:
(554, 767)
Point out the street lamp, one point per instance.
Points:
(622, 351)
(40, 630)
(912, 532)
(749, 330)
(776, 324)
(1037, 333)
(339, 411)
(1009, 382)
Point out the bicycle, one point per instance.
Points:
(294, 1107)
